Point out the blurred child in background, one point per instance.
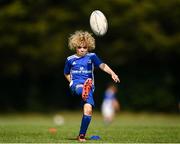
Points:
(110, 104)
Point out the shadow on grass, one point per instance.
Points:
(76, 139)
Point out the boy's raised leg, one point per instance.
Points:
(86, 88)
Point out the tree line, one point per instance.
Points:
(142, 45)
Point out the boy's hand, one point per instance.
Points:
(115, 78)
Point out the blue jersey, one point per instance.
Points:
(81, 68)
(109, 95)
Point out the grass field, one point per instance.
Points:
(127, 128)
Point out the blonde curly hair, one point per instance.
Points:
(79, 37)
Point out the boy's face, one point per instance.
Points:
(82, 50)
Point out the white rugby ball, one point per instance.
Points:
(98, 23)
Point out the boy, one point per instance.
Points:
(78, 71)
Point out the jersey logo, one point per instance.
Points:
(74, 63)
(81, 68)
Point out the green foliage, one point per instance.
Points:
(39, 30)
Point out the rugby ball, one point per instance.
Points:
(98, 23)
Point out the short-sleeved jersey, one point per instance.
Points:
(81, 68)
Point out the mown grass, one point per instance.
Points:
(126, 128)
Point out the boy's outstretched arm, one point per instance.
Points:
(108, 70)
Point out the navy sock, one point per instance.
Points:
(84, 124)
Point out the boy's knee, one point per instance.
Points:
(87, 109)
